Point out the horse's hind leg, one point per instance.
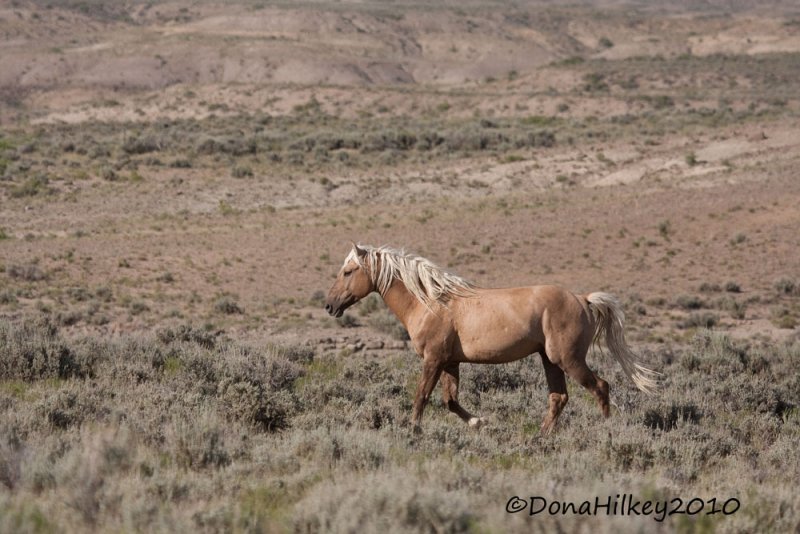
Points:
(450, 396)
(580, 372)
(557, 398)
(568, 351)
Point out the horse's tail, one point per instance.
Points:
(609, 324)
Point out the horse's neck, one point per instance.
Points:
(402, 303)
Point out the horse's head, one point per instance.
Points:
(352, 284)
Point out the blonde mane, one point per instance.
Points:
(428, 282)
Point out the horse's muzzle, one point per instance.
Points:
(337, 305)
(336, 312)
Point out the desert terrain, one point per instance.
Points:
(180, 182)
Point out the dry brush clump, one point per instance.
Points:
(186, 429)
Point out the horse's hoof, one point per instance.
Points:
(476, 422)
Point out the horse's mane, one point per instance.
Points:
(428, 282)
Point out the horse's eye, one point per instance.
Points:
(348, 273)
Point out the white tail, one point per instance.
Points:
(609, 324)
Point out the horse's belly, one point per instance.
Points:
(490, 349)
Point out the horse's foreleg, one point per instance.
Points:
(450, 396)
(557, 399)
(431, 370)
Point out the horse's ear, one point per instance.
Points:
(360, 252)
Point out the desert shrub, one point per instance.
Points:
(98, 152)
(735, 307)
(699, 320)
(708, 287)
(474, 139)
(689, 302)
(371, 304)
(543, 138)
(386, 322)
(181, 163)
(138, 307)
(783, 317)
(389, 140)
(484, 378)
(188, 334)
(253, 404)
(666, 417)
(87, 467)
(33, 350)
(242, 171)
(35, 185)
(227, 305)
(347, 321)
(594, 82)
(787, 286)
(79, 294)
(71, 405)
(7, 296)
(429, 140)
(633, 455)
(270, 367)
(235, 146)
(109, 174)
(256, 388)
(23, 517)
(197, 440)
(716, 353)
(28, 272)
(297, 354)
(140, 144)
(394, 500)
(69, 317)
(732, 287)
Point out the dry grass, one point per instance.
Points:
(191, 431)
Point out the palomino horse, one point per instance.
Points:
(450, 321)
